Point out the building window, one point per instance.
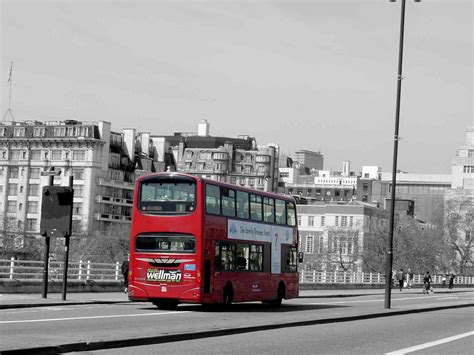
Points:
(33, 190)
(79, 155)
(351, 221)
(31, 224)
(77, 208)
(35, 173)
(309, 244)
(15, 154)
(336, 223)
(299, 220)
(365, 198)
(78, 174)
(11, 206)
(32, 207)
(59, 131)
(12, 189)
(56, 154)
(311, 221)
(19, 132)
(78, 190)
(39, 132)
(35, 154)
(468, 169)
(344, 221)
(365, 186)
(321, 245)
(323, 221)
(14, 173)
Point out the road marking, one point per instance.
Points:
(430, 344)
(446, 298)
(92, 317)
(373, 300)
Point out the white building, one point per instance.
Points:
(332, 237)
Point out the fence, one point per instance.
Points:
(337, 277)
(29, 270)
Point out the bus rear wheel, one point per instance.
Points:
(166, 304)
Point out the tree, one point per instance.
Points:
(416, 245)
(15, 242)
(344, 249)
(459, 227)
(109, 245)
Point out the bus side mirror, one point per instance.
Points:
(300, 257)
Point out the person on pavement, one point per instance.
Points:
(125, 267)
(401, 279)
(427, 283)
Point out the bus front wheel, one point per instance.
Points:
(280, 295)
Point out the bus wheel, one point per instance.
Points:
(280, 295)
(167, 305)
(228, 296)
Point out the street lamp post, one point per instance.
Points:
(389, 260)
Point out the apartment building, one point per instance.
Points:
(238, 161)
(102, 162)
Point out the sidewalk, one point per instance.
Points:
(22, 300)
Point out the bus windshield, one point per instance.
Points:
(157, 242)
(168, 196)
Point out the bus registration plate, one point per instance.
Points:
(160, 275)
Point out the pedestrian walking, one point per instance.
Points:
(125, 268)
(427, 283)
(410, 278)
(451, 280)
(443, 280)
(401, 279)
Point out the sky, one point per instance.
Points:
(317, 75)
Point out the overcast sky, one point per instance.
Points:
(317, 75)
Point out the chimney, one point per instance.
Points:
(203, 128)
(346, 168)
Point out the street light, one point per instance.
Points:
(389, 261)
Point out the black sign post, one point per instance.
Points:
(66, 243)
(56, 216)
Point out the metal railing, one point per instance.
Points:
(29, 270)
(339, 277)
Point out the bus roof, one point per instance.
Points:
(219, 183)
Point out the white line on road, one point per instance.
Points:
(373, 300)
(430, 344)
(93, 317)
(446, 298)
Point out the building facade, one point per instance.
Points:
(103, 164)
(332, 237)
(239, 161)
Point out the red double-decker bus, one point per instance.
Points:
(195, 240)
